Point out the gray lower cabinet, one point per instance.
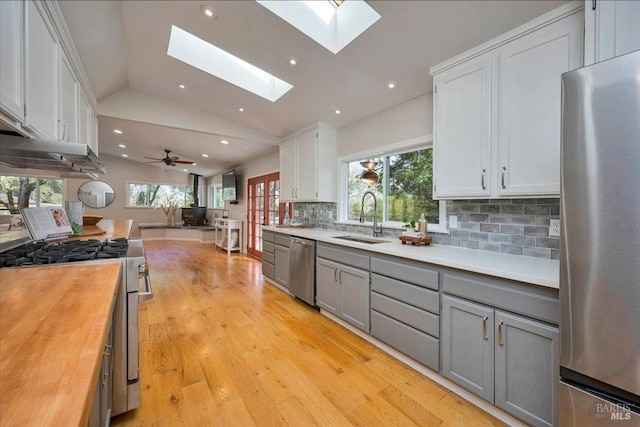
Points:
(467, 345)
(327, 285)
(405, 307)
(100, 414)
(268, 255)
(343, 289)
(507, 359)
(281, 261)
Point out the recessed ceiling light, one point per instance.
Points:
(206, 57)
(224, 141)
(205, 155)
(337, 111)
(194, 164)
(208, 12)
(391, 85)
(118, 131)
(181, 86)
(122, 146)
(186, 170)
(293, 61)
(125, 155)
(241, 109)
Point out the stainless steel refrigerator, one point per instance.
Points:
(600, 245)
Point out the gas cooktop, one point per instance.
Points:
(38, 253)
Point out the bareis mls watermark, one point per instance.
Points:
(612, 411)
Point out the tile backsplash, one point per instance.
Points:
(513, 226)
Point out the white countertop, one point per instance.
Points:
(536, 271)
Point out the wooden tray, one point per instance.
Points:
(416, 241)
(90, 230)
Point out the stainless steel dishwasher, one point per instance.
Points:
(302, 269)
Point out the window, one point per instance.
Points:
(404, 190)
(23, 191)
(215, 197)
(153, 195)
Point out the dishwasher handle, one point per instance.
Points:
(300, 242)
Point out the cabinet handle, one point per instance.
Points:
(296, 193)
(340, 277)
(60, 138)
(484, 328)
(335, 275)
(593, 4)
(500, 343)
(484, 187)
(292, 194)
(504, 169)
(66, 127)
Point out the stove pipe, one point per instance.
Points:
(196, 178)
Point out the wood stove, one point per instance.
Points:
(194, 215)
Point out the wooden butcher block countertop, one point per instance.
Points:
(54, 322)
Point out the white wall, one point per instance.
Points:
(404, 122)
(119, 171)
(254, 168)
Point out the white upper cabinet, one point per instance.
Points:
(12, 59)
(308, 166)
(42, 73)
(68, 109)
(462, 130)
(497, 111)
(612, 28)
(530, 96)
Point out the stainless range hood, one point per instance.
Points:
(69, 159)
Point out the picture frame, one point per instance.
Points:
(225, 214)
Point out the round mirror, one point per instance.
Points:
(96, 194)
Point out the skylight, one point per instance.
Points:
(211, 59)
(332, 27)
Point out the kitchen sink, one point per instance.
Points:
(361, 239)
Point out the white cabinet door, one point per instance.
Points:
(68, 101)
(12, 59)
(611, 29)
(84, 120)
(307, 161)
(529, 104)
(462, 130)
(288, 170)
(93, 144)
(42, 68)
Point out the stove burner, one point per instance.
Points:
(69, 251)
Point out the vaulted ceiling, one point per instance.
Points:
(123, 48)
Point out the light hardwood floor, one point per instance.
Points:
(220, 347)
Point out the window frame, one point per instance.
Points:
(212, 196)
(128, 194)
(38, 177)
(406, 146)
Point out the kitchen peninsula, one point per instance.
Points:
(53, 330)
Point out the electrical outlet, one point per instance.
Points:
(453, 221)
(554, 228)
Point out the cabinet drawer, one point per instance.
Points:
(530, 300)
(415, 344)
(407, 271)
(419, 319)
(267, 247)
(268, 257)
(282, 240)
(343, 256)
(268, 270)
(411, 294)
(268, 236)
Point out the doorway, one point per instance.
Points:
(264, 208)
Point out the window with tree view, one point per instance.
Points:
(28, 192)
(404, 190)
(154, 195)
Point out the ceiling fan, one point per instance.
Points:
(170, 160)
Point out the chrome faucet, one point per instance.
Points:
(377, 231)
